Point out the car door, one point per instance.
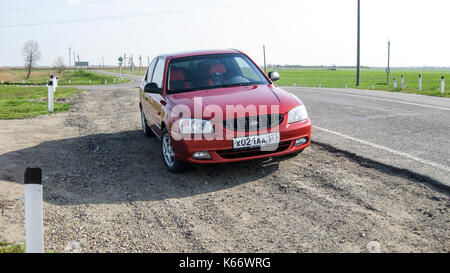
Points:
(153, 100)
(144, 97)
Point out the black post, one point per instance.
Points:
(358, 52)
(33, 176)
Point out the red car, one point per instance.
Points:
(218, 106)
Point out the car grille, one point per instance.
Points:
(253, 123)
(231, 153)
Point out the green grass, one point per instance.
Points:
(11, 248)
(18, 102)
(83, 77)
(431, 79)
(40, 77)
(137, 71)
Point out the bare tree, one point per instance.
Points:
(31, 54)
(59, 64)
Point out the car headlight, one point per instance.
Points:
(195, 126)
(297, 114)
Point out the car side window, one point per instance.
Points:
(158, 75)
(148, 76)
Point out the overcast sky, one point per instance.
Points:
(306, 32)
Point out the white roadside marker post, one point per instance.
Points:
(373, 86)
(420, 82)
(346, 85)
(106, 81)
(69, 82)
(295, 84)
(89, 81)
(33, 211)
(442, 85)
(114, 80)
(395, 83)
(403, 81)
(51, 90)
(320, 84)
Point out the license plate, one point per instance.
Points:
(256, 141)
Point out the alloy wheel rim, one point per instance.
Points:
(169, 156)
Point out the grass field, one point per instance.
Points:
(138, 71)
(40, 77)
(18, 102)
(431, 79)
(369, 79)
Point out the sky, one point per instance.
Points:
(304, 32)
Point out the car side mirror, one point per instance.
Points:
(274, 76)
(152, 88)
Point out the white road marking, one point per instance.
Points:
(390, 100)
(384, 148)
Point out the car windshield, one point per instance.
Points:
(212, 71)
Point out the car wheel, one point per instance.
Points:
(169, 159)
(145, 128)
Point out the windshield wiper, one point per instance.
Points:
(239, 84)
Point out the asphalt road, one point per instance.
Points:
(408, 131)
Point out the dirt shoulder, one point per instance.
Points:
(106, 187)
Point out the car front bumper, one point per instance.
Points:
(222, 151)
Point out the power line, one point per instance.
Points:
(56, 6)
(124, 16)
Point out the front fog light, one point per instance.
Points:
(300, 141)
(201, 155)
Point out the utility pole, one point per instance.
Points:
(74, 60)
(103, 62)
(357, 50)
(70, 55)
(264, 53)
(388, 70)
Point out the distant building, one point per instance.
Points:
(80, 65)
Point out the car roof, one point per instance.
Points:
(199, 52)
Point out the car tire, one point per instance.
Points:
(172, 164)
(145, 128)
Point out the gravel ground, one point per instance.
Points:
(106, 188)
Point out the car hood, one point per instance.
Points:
(256, 95)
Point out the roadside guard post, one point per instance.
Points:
(420, 82)
(33, 210)
(51, 91)
(395, 83)
(442, 85)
